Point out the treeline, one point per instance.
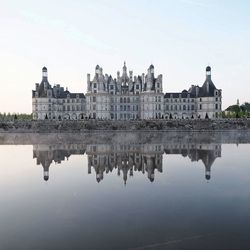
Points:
(237, 111)
(15, 116)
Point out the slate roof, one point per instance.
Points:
(183, 94)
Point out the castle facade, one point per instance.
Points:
(126, 97)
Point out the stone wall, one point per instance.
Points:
(47, 126)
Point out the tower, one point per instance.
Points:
(45, 73)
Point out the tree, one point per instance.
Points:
(206, 117)
(170, 116)
(46, 117)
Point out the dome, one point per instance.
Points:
(208, 68)
(151, 66)
(44, 69)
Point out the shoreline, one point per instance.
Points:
(126, 137)
(85, 126)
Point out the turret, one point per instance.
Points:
(131, 75)
(208, 77)
(124, 68)
(88, 82)
(151, 69)
(208, 73)
(97, 69)
(46, 171)
(45, 73)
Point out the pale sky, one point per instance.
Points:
(69, 37)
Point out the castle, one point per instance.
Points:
(126, 97)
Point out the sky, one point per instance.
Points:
(70, 37)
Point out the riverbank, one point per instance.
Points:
(77, 126)
(127, 137)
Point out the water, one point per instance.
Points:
(136, 191)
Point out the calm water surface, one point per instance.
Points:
(125, 195)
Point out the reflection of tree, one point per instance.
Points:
(126, 159)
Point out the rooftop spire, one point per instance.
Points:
(44, 73)
(208, 72)
(124, 67)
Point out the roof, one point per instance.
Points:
(207, 88)
(183, 94)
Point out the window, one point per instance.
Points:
(121, 100)
(216, 106)
(158, 85)
(137, 86)
(184, 107)
(94, 98)
(111, 86)
(94, 85)
(200, 106)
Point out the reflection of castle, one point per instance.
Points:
(46, 154)
(207, 153)
(126, 158)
